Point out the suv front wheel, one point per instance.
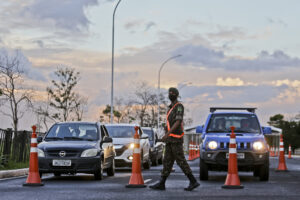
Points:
(203, 176)
(264, 172)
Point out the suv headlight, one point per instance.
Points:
(258, 145)
(212, 145)
(89, 153)
(40, 153)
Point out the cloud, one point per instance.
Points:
(278, 21)
(149, 25)
(54, 15)
(295, 83)
(229, 82)
(8, 55)
(133, 25)
(63, 14)
(199, 55)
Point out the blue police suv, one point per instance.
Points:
(252, 151)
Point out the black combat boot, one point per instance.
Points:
(193, 183)
(160, 185)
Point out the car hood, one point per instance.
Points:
(49, 145)
(240, 137)
(122, 141)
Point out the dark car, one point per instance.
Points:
(156, 147)
(76, 147)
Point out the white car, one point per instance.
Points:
(122, 135)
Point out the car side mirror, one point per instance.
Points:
(107, 140)
(199, 129)
(144, 137)
(39, 139)
(267, 130)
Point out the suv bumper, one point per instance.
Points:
(219, 158)
(78, 165)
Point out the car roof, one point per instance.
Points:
(131, 125)
(77, 122)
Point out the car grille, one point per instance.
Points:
(240, 145)
(221, 158)
(69, 153)
(120, 151)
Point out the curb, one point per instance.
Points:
(13, 173)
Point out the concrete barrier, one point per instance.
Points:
(13, 173)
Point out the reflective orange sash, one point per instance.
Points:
(168, 124)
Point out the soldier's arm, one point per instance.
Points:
(174, 127)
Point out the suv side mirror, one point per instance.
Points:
(267, 130)
(39, 139)
(199, 129)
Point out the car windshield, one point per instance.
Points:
(73, 131)
(243, 123)
(149, 133)
(120, 131)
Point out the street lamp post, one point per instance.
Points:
(158, 87)
(112, 66)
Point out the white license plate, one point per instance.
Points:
(239, 155)
(61, 163)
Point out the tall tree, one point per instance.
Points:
(14, 97)
(64, 101)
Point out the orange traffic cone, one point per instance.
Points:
(136, 179)
(190, 152)
(232, 179)
(33, 178)
(290, 152)
(271, 152)
(281, 166)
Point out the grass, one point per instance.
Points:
(14, 165)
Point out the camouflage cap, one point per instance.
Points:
(174, 91)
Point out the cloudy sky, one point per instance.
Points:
(234, 53)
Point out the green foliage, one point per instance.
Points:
(62, 97)
(290, 130)
(14, 165)
(107, 111)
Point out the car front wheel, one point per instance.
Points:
(99, 172)
(147, 164)
(111, 170)
(264, 172)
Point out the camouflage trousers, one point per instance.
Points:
(174, 151)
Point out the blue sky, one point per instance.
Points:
(235, 52)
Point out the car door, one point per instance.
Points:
(145, 145)
(107, 147)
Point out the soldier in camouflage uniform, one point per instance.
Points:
(174, 144)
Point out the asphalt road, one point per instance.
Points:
(283, 185)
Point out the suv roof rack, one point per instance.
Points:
(213, 109)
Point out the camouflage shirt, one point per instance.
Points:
(176, 114)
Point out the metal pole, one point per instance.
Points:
(158, 87)
(112, 66)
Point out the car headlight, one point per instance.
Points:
(89, 153)
(131, 146)
(212, 145)
(41, 153)
(258, 145)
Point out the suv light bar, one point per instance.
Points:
(213, 109)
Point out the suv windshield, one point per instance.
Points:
(73, 131)
(243, 123)
(149, 133)
(121, 131)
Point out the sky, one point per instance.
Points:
(234, 53)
